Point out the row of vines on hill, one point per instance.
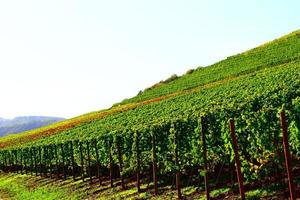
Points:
(253, 102)
(257, 65)
(173, 147)
(120, 145)
(248, 97)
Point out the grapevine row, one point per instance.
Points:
(124, 156)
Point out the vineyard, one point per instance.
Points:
(272, 54)
(282, 50)
(179, 133)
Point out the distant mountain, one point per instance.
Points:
(25, 123)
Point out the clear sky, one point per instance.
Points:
(65, 58)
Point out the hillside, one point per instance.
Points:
(161, 126)
(25, 123)
(279, 51)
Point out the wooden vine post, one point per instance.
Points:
(15, 160)
(120, 161)
(154, 165)
(49, 166)
(287, 154)
(81, 161)
(8, 161)
(110, 165)
(72, 160)
(3, 157)
(2, 160)
(31, 161)
(89, 160)
(29, 168)
(35, 161)
(46, 158)
(237, 160)
(27, 163)
(203, 137)
(138, 161)
(28, 160)
(49, 153)
(18, 161)
(5, 161)
(11, 161)
(63, 161)
(50, 159)
(56, 160)
(25, 160)
(178, 186)
(21, 160)
(40, 160)
(97, 162)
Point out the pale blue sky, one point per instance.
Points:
(65, 58)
